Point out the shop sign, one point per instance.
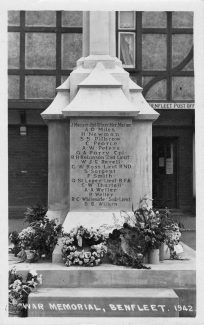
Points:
(173, 105)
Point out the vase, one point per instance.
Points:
(161, 252)
(154, 256)
(166, 252)
(146, 258)
(14, 311)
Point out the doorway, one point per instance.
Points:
(165, 182)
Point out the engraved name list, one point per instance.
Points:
(101, 164)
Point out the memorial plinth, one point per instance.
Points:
(103, 139)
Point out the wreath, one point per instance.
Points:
(82, 246)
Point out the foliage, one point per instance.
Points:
(15, 241)
(83, 246)
(145, 227)
(126, 246)
(35, 213)
(20, 289)
(40, 237)
(151, 227)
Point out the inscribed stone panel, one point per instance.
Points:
(101, 164)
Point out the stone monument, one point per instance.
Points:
(100, 135)
(100, 162)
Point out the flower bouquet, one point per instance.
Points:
(28, 250)
(15, 241)
(173, 235)
(158, 228)
(19, 289)
(38, 240)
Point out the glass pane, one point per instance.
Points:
(157, 91)
(182, 19)
(13, 18)
(127, 49)
(183, 88)
(13, 87)
(71, 50)
(40, 51)
(72, 18)
(40, 18)
(154, 19)
(181, 45)
(154, 52)
(40, 86)
(127, 19)
(189, 66)
(13, 50)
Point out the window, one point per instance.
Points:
(156, 48)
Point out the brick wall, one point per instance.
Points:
(28, 168)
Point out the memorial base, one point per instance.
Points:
(177, 275)
(103, 302)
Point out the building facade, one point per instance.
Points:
(156, 48)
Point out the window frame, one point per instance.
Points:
(22, 72)
(138, 73)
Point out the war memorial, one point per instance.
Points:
(99, 164)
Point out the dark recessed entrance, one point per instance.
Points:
(165, 189)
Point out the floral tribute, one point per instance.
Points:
(139, 232)
(38, 240)
(82, 246)
(173, 235)
(126, 246)
(19, 289)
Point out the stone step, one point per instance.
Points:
(103, 302)
(167, 274)
(115, 277)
